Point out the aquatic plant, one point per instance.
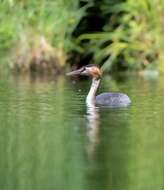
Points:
(25, 23)
(131, 36)
(126, 35)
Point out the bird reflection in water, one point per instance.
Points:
(92, 130)
(109, 99)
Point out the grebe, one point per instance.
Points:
(112, 99)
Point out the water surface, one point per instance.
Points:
(50, 140)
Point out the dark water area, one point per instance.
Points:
(50, 140)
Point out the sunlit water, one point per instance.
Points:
(50, 140)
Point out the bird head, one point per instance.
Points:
(88, 70)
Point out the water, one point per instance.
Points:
(49, 140)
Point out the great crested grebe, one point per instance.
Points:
(113, 99)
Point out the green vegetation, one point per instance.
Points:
(131, 36)
(34, 33)
(29, 27)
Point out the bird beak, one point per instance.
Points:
(76, 72)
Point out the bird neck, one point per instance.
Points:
(91, 97)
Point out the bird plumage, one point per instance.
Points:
(113, 99)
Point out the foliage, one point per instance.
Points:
(127, 35)
(131, 35)
(25, 22)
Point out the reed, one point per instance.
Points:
(35, 32)
(26, 23)
(131, 37)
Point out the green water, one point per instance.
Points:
(49, 140)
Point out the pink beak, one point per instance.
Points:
(76, 72)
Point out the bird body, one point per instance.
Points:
(112, 99)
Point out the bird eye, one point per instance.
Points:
(83, 69)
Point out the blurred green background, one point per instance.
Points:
(48, 138)
(52, 34)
